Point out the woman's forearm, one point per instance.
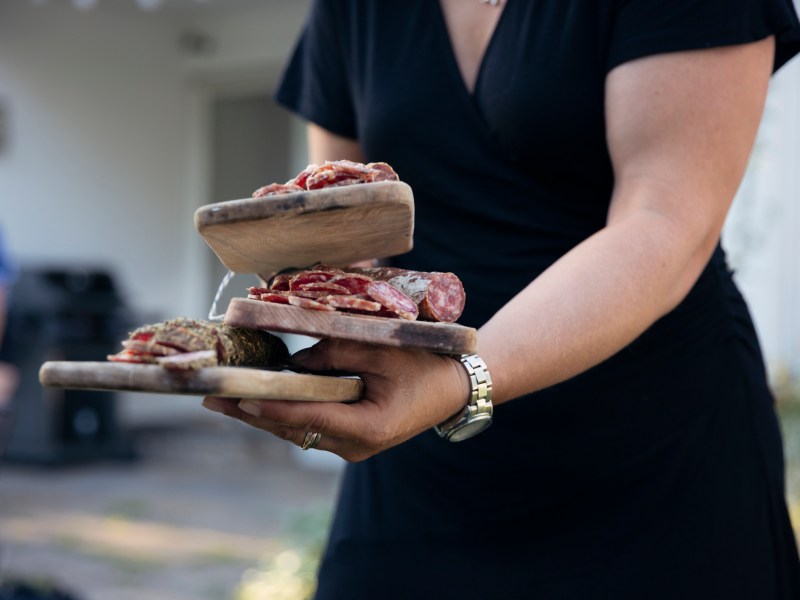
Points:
(590, 304)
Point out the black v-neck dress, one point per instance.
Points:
(655, 475)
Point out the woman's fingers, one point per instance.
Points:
(405, 392)
(248, 411)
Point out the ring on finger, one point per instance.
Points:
(311, 440)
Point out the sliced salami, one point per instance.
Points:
(257, 291)
(300, 179)
(275, 189)
(308, 303)
(323, 286)
(280, 283)
(381, 171)
(353, 303)
(313, 294)
(439, 296)
(304, 277)
(393, 299)
(355, 283)
(276, 297)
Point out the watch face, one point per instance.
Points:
(474, 427)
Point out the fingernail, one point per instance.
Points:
(250, 407)
(213, 405)
(299, 357)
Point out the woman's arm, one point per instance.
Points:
(324, 145)
(680, 131)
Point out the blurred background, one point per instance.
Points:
(118, 119)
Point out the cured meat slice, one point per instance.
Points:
(355, 283)
(300, 179)
(381, 171)
(331, 174)
(439, 296)
(148, 347)
(323, 286)
(353, 303)
(313, 294)
(254, 292)
(342, 182)
(308, 303)
(275, 189)
(304, 277)
(280, 282)
(393, 299)
(277, 297)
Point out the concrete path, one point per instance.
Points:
(207, 510)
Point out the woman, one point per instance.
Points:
(573, 162)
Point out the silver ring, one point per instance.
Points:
(310, 441)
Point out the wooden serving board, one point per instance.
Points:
(448, 338)
(337, 226)
(232, 382)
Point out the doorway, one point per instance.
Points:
(253, 142)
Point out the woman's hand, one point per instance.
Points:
(405, 393)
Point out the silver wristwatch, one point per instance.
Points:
(477, 414)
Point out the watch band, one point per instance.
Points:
(479, 378)
(477, 414)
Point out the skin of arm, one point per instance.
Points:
(681, 127)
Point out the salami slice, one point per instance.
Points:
(353, 303)
(276, 297)
(275, 189)
(301, 278)
(355, 283)
(323, 286)
(280, 282)
(300, 179)
(393, 299)
(381, 171)
(439, 296)
(308, 303)
(313, 294)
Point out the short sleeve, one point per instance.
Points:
(315, 83)
(644, 27)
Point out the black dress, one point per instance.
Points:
(657, 474)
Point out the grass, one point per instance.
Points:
(789, 413)
(289, 574)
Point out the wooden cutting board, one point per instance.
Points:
(231, 382)
(337, 226)
(448, 338)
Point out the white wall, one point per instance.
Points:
(98, 164)
(762, 233)
(106, 149)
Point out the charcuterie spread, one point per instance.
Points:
(328, 216)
